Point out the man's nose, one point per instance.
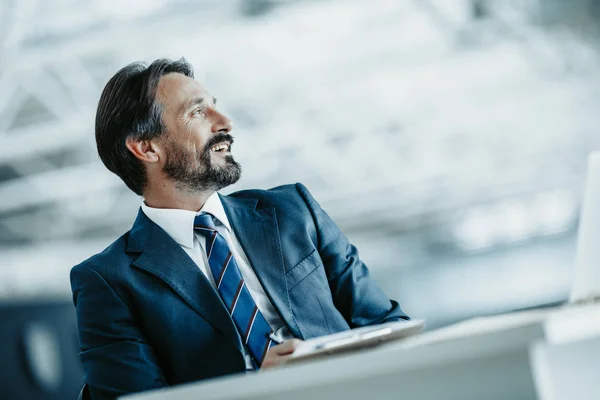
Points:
(221, 123)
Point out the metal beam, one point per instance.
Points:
(40, 139)
(55, 186)
(120, 40)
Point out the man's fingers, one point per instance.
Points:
(286, 347)
(278, 360)
(280, 354)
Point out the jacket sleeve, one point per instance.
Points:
(355, 294)
(115, 356)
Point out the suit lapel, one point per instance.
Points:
(258, 233)
(164, 258)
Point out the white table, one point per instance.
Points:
(486, 358)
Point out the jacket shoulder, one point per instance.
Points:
(109, 260)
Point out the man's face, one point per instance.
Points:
(197, 142)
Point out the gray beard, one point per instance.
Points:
(206, 176)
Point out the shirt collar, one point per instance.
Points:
(179, 224)
(214, 206)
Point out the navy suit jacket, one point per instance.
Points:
(148, 317)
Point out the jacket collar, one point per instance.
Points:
(143, 226)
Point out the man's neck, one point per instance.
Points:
(168, 196)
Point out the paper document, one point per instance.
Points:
(367, 336)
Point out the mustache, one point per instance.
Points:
(218, 138)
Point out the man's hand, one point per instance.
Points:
(279, 354)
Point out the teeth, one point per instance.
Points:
(220, 147)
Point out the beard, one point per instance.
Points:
(197, 173)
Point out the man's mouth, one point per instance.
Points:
(222, 147)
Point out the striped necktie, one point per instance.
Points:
(252, 326)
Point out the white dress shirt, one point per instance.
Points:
(179, 224)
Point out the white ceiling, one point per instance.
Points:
(409, 118)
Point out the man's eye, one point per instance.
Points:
(199, 112)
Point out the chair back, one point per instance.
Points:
(39, 351)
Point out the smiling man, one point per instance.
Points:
(204, 284)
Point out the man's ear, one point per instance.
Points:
(144, 150)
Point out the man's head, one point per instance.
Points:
(156, 122)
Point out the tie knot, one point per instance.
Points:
(204, 223)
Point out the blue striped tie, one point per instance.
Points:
(252, 326)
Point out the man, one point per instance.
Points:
(203, 284)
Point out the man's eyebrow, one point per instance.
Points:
(194, 102)
(198, 101)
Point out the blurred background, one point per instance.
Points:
(447, 138)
